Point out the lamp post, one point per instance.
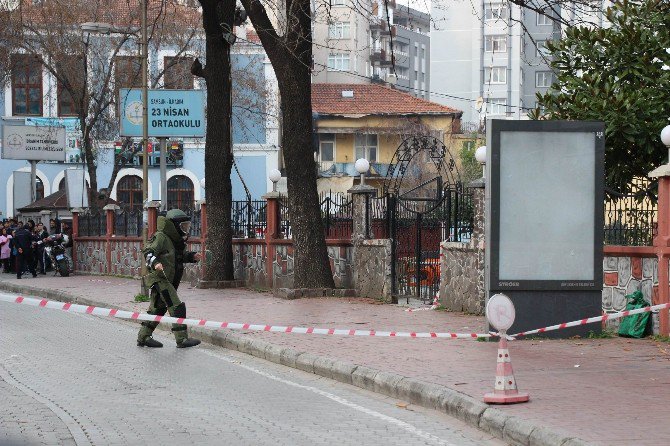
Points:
(362, 165)
(480, 156)
(665, 139)
(275, 176)
(106, 28)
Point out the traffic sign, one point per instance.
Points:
(171, 113)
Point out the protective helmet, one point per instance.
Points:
(181, 221)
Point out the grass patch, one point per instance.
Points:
(141, 298)
(659, 338)
(605, 334)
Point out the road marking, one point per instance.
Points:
(391, 420)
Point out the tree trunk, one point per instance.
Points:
(312, 266)
(291, 58)
(218, 141)
(92, 171)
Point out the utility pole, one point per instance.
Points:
(145, 129)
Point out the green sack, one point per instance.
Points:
(636, 325)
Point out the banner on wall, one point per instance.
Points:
(33, 143)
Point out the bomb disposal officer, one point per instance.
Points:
(165, 256)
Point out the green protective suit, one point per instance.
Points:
(168, 248)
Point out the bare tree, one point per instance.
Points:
(89, 69)
(288, 44)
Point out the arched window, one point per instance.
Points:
(39, 189)
(180, 193)
(129, 192)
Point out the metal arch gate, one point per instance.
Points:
(428, 205)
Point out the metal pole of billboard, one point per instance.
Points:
(145, 133)
(33, 181)
(163, 148)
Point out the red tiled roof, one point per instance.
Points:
(372, 99)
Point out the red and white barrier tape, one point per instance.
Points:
(591, 320)
(99, 311)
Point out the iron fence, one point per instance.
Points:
(93, 224)
(196, 221)
(249, 218)
(337, 212)
(631, 219)
(379, 219)
(284, 218)
(128, 223)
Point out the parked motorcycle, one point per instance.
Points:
(54, 248)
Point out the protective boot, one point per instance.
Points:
(188, 342)
(149, 342)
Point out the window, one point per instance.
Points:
(129, 193)
(71, 69)
(542, 19)
(497, 106)
(338, 62)
(180, 193)
(127, 73)
(327, 147)
(543, 79)
(495, 75)
(339, 30)
(338, 2)
(366, 147)
(495, 44)
(177, 73)
(26, 85)
(541, 49)
(495, 11)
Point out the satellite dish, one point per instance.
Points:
(9, 5)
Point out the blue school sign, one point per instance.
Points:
(172, 113)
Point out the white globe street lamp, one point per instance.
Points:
(665, 138)
(362, 165)
(202, 183)
(275, 176)
(480, 156)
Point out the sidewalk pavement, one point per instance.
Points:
(596, 391)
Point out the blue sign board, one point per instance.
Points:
(172, 113)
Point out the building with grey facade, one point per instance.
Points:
(492, 60)
(355, 44)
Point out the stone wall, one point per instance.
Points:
(249, 262)
(462, 265)
(126, 257)
(623, 275)
(372, 269)
(91, 255)
(462, 277)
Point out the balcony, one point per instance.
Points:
(381, 58)
(331, 169)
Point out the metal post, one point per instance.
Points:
(163, 148)
(145, 136)
(417, 267)
(33, 181)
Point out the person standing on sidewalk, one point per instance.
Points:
(41, 234)
(23, 241)
(5, 249)
(165, 256)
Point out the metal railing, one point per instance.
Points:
(337, 212)
(128, 223)
(249, 218)
(93, 225)
(631, 219)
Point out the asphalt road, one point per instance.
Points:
(75, 379)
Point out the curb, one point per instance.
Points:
(511, 429)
